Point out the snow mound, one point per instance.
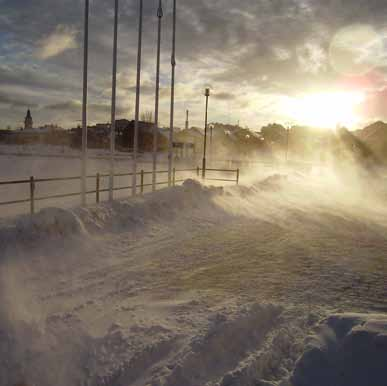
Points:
(224, 347)
(194, 186)
(49, 222)
(242, 347)
(162, 205)
(272, 183)
(348, 350)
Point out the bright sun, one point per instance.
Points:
(325, 110)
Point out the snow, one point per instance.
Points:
(49, 221)
(47, 162)
(271, 283)
(349, 349)
(54, 150)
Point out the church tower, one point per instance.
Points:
(28, 123)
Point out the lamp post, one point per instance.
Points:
(207, 94)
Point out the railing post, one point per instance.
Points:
(142, 181)
(97, 188)
(174, 177)
(32, 195)
(198, 171)
(237, 176)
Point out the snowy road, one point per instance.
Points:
(173, 289)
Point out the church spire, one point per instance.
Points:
(28, 122)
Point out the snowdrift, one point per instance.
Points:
(161, 206)
(194, 286)
(122, 215)
(349, 350)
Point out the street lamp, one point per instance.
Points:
(207, 94)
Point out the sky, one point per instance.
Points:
(287, 61)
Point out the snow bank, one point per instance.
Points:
(160, 206)
(44, 227)
(223, 352)
(349, 350)
(232, 349)
(49, 222)
(121, 215)
(240, 347)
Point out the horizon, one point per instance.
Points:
(235, 124)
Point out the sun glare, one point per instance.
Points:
(325, 110)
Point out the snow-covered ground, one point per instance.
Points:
(44, 161)
(36, 149)
(21, 162)
(347, 349)
(247, 285)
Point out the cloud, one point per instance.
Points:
(61, 40)
(312, 58)
(225, 96)
(15, 101)
(96, 111)
(258, 51)
(65, 106)
(32, 76)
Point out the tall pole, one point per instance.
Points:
(137, 112)
(211, 155)
(113, 111)
(207, 94)
(84, 106)
(287, 142)
(156, 128)
(173, 64)
(186, 119)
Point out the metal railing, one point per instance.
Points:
(32, 182)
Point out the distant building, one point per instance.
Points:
(99, 135)
(28, 122)
(49, 128)
(191, 141)
(100, 129)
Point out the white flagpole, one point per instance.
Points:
(84, 106)
(173, 64)
(113, 110)
(137, 113)
(155, 128)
